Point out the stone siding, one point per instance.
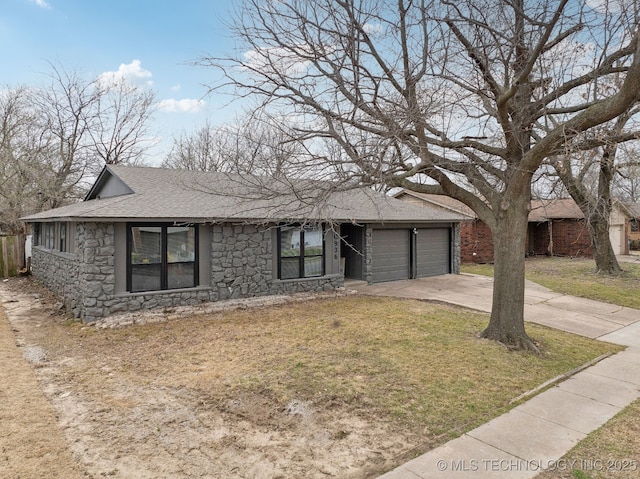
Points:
(241, 260)
(241, 266)
(59, 272)
(96, 249)
(456, 250)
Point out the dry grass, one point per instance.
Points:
(417, 365)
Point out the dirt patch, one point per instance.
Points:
(31, 445)
(118, 422)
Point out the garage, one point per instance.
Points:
(433, 252)
(616, 236)
(406, 253)
(391, 259)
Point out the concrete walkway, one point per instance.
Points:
(534, 435)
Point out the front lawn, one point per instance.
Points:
(338, 369)
(575, 276)
(612, 450)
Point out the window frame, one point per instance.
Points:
(635, 225)
(302, 253)
(164, 256)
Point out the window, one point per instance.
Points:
(301, 252)
(49, 235)
(62, 237)
(635, 226)
(162, 257)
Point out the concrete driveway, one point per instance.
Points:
(589, 318)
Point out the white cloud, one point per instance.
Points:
(176, 87)
(189, 105)
(42, 4)
(130, 72)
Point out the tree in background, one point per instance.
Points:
(54, 139)
(589, 178)
(463, 98)
(22, 149)
(119, 131)
(627, 184)
(253, 144)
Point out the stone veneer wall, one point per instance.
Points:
(368, 254)
(96, 242)
(241, 266)
(456, 253)
(242, 260)
(59, 272)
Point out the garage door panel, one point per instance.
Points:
(433, 252)
(391, 255)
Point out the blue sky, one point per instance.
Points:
(149, 41)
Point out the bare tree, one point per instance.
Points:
(627, 184)
(54, 139)
(463, 98)
(22, 149)
(119, 129)
(589, 177)
(67, 107)
(253, 144)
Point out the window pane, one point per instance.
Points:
(312, 242)
(181, 244)
(180, 275)
(290, 267)
(49, 235)
(145, 277)
(63, 237)
(145, 245)
(312, 266)
(289, 242)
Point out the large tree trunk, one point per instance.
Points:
(507, 313)
(599, 217)
(606, 261)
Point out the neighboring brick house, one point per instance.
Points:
(556, 227)
(154, 237)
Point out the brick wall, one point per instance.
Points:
(571, 238)
(476, 242)
(538, 239)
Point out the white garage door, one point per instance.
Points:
(615, 235)
(391, 259)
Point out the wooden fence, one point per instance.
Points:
(11, 255)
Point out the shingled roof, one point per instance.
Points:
(126, 193)
(541, 210)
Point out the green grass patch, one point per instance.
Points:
(576, 277)
(613, 451)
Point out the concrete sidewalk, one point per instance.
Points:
(533, 436)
